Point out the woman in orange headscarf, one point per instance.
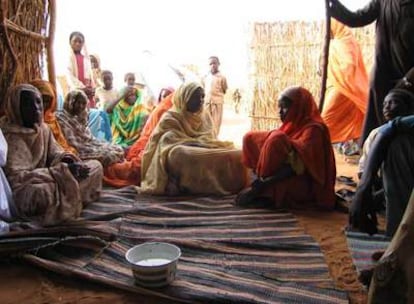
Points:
(129, 171)
(347, 87)
(49, 108)
(295, 164)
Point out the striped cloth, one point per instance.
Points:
(229, 255)
(363, 245)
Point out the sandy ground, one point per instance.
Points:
(22, 283)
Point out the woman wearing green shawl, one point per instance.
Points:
(128, 118)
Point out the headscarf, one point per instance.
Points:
(176, 127)
(166, 89)
(128, 120)
(303, 116)
(302, 110)
(12, 108)
(136, 150)
(97, 72)
(46, 88)
(98, 60)
(69, 103)
(181, 97)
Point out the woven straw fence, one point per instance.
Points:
(283, 54)
(26, 34)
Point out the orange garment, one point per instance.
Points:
(46, 88)
(129, 171)
(304, 133)
(347, 88)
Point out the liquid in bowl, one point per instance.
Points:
(152, 262)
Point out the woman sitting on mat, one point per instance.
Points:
(182, 156)
(129, 172)
(49, 117)
(73, 121)
(49, 185)
(294, 164)
(128, 117)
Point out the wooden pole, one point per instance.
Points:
(14, 62)
(325, 55)
(49, 44)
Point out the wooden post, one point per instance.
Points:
(49, 43)
(6, 40)
(325, 55)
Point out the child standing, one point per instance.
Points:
(107, 94)
(215, 85)
(80, 74)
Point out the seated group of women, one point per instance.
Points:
(57, 167)
(125, 109)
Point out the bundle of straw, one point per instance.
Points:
(283, 54)
(26, 33)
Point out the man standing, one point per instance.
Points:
(394, 47)
(215, 86)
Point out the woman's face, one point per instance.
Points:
(284, 105)
(130, 80)
(79, 106)
(76, 43)
(196, 101)
(31, 108)
(47, 102)
(164, 93)
(131, 96)
(94, 62)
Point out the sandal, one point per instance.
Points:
(345, 194)
(346, 180)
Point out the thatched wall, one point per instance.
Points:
(26, 34)
(284, 54)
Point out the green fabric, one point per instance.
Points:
(127, 121)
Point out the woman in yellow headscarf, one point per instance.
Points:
(49, 107)
(347, 88)
(183, 156)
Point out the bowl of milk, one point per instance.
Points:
(153, 264)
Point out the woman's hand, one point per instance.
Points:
(79, 171)
(89, 91)
(70, 158)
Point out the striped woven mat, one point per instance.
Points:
(363, 245)
(229, 255)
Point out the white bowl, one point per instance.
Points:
(153, 264)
